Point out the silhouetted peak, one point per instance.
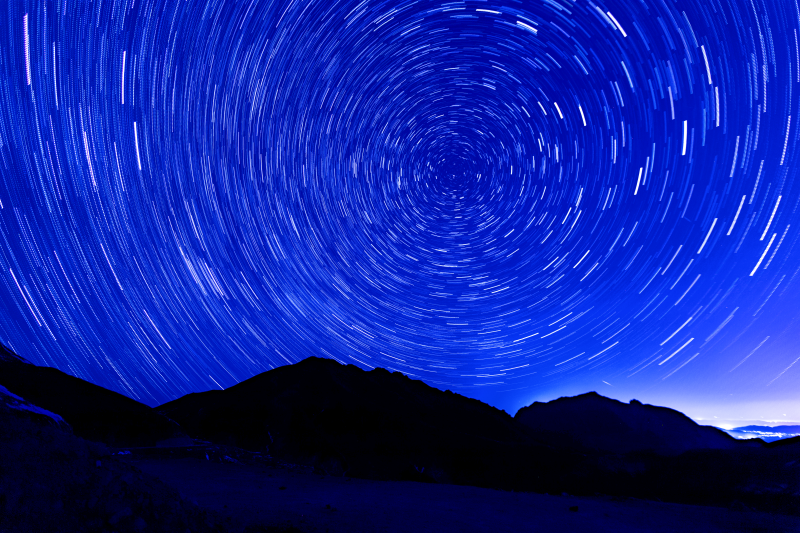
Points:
(592, 395)
(321, 362)
(327, 380)
(584, 399)
(320, 410)
(591, 421)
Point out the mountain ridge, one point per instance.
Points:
(592, 422)
(93, 412)
(342, 421)
(342, 418)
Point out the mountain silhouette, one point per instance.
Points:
(52, 480)
(591, 422)
(376, 424)
(789, 430)
(94, 413)
(340, 421)
(381, 425)
(769, 434)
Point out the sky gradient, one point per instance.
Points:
(512, 200)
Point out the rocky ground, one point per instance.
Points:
(353, 451)
(52, 481)
(262, 495)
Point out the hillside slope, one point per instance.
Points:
(95, 413)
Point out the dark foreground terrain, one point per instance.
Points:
(343, 421)
(324, 447)
(261, 496)
(53, 481)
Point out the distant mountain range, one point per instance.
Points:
(343, 421)
(765, 433)
(591, 422)
(380, 424)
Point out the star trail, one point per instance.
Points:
(506, 199)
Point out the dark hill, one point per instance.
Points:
(54, 481)
(345, 421)
(94, 413)
(591, 422)
(372, 424)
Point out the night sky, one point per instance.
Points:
(514, 200)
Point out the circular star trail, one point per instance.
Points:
(494, 197)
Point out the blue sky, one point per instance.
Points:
(512, 200)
